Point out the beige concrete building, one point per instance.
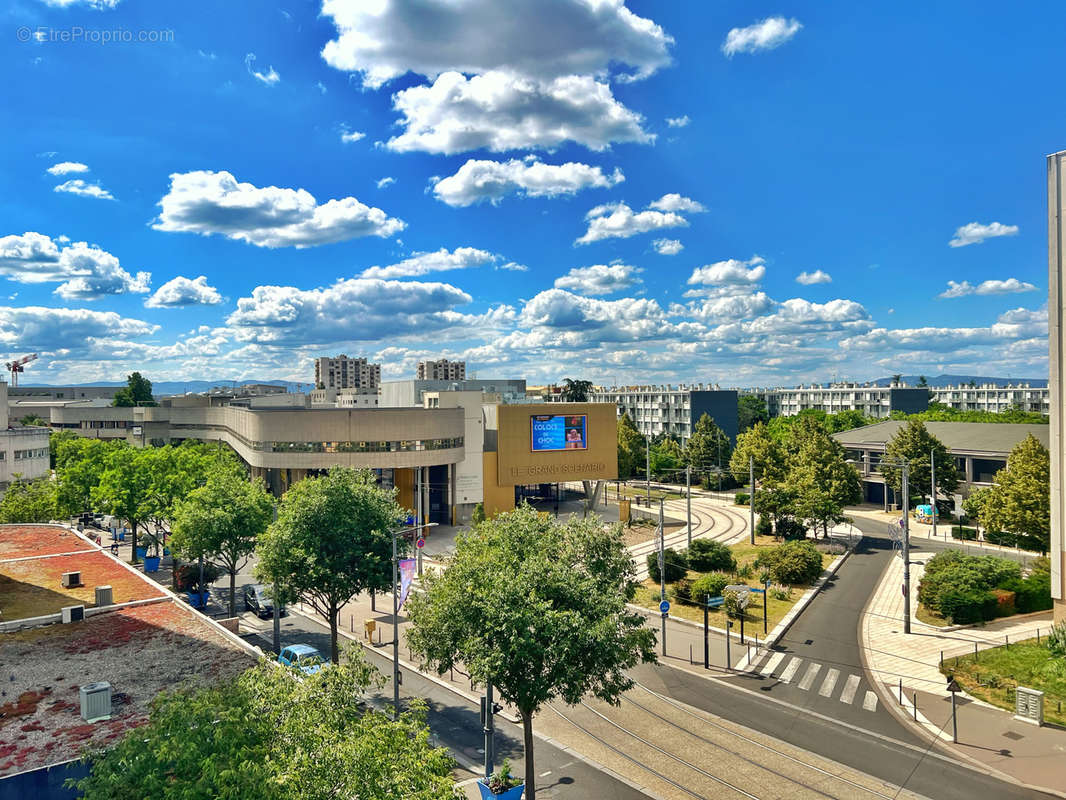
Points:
(442, 370)
(343, 372)
(1056, 307)
(23, 448)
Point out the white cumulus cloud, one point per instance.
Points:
(975, 233)
(182, 291)
(389, 38)
(500, 111)
(437, 261)
(599, 279)
(668, 247)
(86, 272)
(731, 272)
(84, 189)
(385, 182)
(1008, 286)
(678, 122)
(675, 202)
(269, 78)
(618, 220)
(811, 278)
(352, 136)
(207, 202)
(763, 35)
(66, 167)
(479, 180)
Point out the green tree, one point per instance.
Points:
(79, 465)
(538, 609)
(136, 392)
(34, 420)
(913, 444)
(125, 487)
(757, 446)
(846, 420)
(272, 735)
(222, 520)
(823, 481)
(922, 382)
(332, 540)
(751, 409)
(630, 448)
(974, 503)
(576, 391)
(666, 458)
(1020, 497)
(708, 448)
(28, 501)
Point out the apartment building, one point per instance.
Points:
(874, 401)
(989, 397)
(23, 448)
(441, 370)
(342, 372)
(672, 410)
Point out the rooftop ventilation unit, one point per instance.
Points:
(73, 614)
(71, 579)
(95, 701)
(103, 596)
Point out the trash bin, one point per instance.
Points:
(369, 626)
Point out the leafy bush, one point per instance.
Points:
(962, 587)
(707, 556)
(681, 591)
(1056, 640)
(188, 575)
(781, 592)
(964, 533)
(745, 572)
(709, 585)
(832, 548)
(732, 605)
(477, 516)
(675, 565)
(793, 562)
(742, 498)
(790, 528)
(765, 526)
(963, 607)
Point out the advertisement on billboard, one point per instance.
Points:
(558, 432)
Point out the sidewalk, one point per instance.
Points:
(988, 735)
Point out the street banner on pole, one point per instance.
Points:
(407, 574)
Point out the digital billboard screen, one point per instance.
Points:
(559, 432)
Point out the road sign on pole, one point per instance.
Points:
(420, 543)
(664, 606)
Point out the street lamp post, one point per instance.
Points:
(396, 616)
(932, 485)
(906, 549)
(751, 499)
(688, 500)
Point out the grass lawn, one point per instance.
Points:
(745, 553)
(655, 493)
(930, 617)
(995, 673)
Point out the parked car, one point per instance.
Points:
(301, 656)
(256, 599)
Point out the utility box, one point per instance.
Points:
(95, 701)
(1029, 705)
(73, 614)
(71, 579)
(104, 596)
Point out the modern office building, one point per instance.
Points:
(980, 450)
(672, 410)
(407, 393)
(442, 370)
(343, 372)
(1056, 307)
(23, 448)
(989, 397)
(874, 401)
(62, 392)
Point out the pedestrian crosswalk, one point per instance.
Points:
(785, 668)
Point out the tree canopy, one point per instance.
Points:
(576, 391)
(29, 501)
(630, 448)
(913, 444)
(756, 446)
(222, 520)
(823, 481)
(136, 392)
(1020, 498)
(332, 540)
(272, 735)
(538, 609)
(751, 409)
(708, 447)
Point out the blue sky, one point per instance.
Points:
(738, 193)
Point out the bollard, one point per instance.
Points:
(690, 653)
(975, 658)
(351, 621)
(941, 658)
(901, 691)
(915, 706)
(1006, 640)
(1038, 635)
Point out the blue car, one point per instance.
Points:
(301, 656)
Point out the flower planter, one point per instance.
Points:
(151, 563)
(510, 794)
(197, 600)
(142, 552)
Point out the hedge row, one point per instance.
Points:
(967, 589)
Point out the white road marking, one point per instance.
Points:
(870, 703)
(809, 676)
(830, 682)
(545, 774)
(852, 686)
(790, 670)
(771, 665)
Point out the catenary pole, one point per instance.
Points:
(688, 500)
(906, 549)
(395, 631)
(662, 569)
(751, 499)
(932, 485)
(647, 467)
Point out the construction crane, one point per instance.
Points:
(18, 365)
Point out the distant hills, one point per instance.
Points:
(954, 380)
(177, 387)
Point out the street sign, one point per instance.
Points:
(901, 522)
(420, 543)
(757, 591)
(953, 685)
(664, 606)
(714, 602)
(742, 591)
